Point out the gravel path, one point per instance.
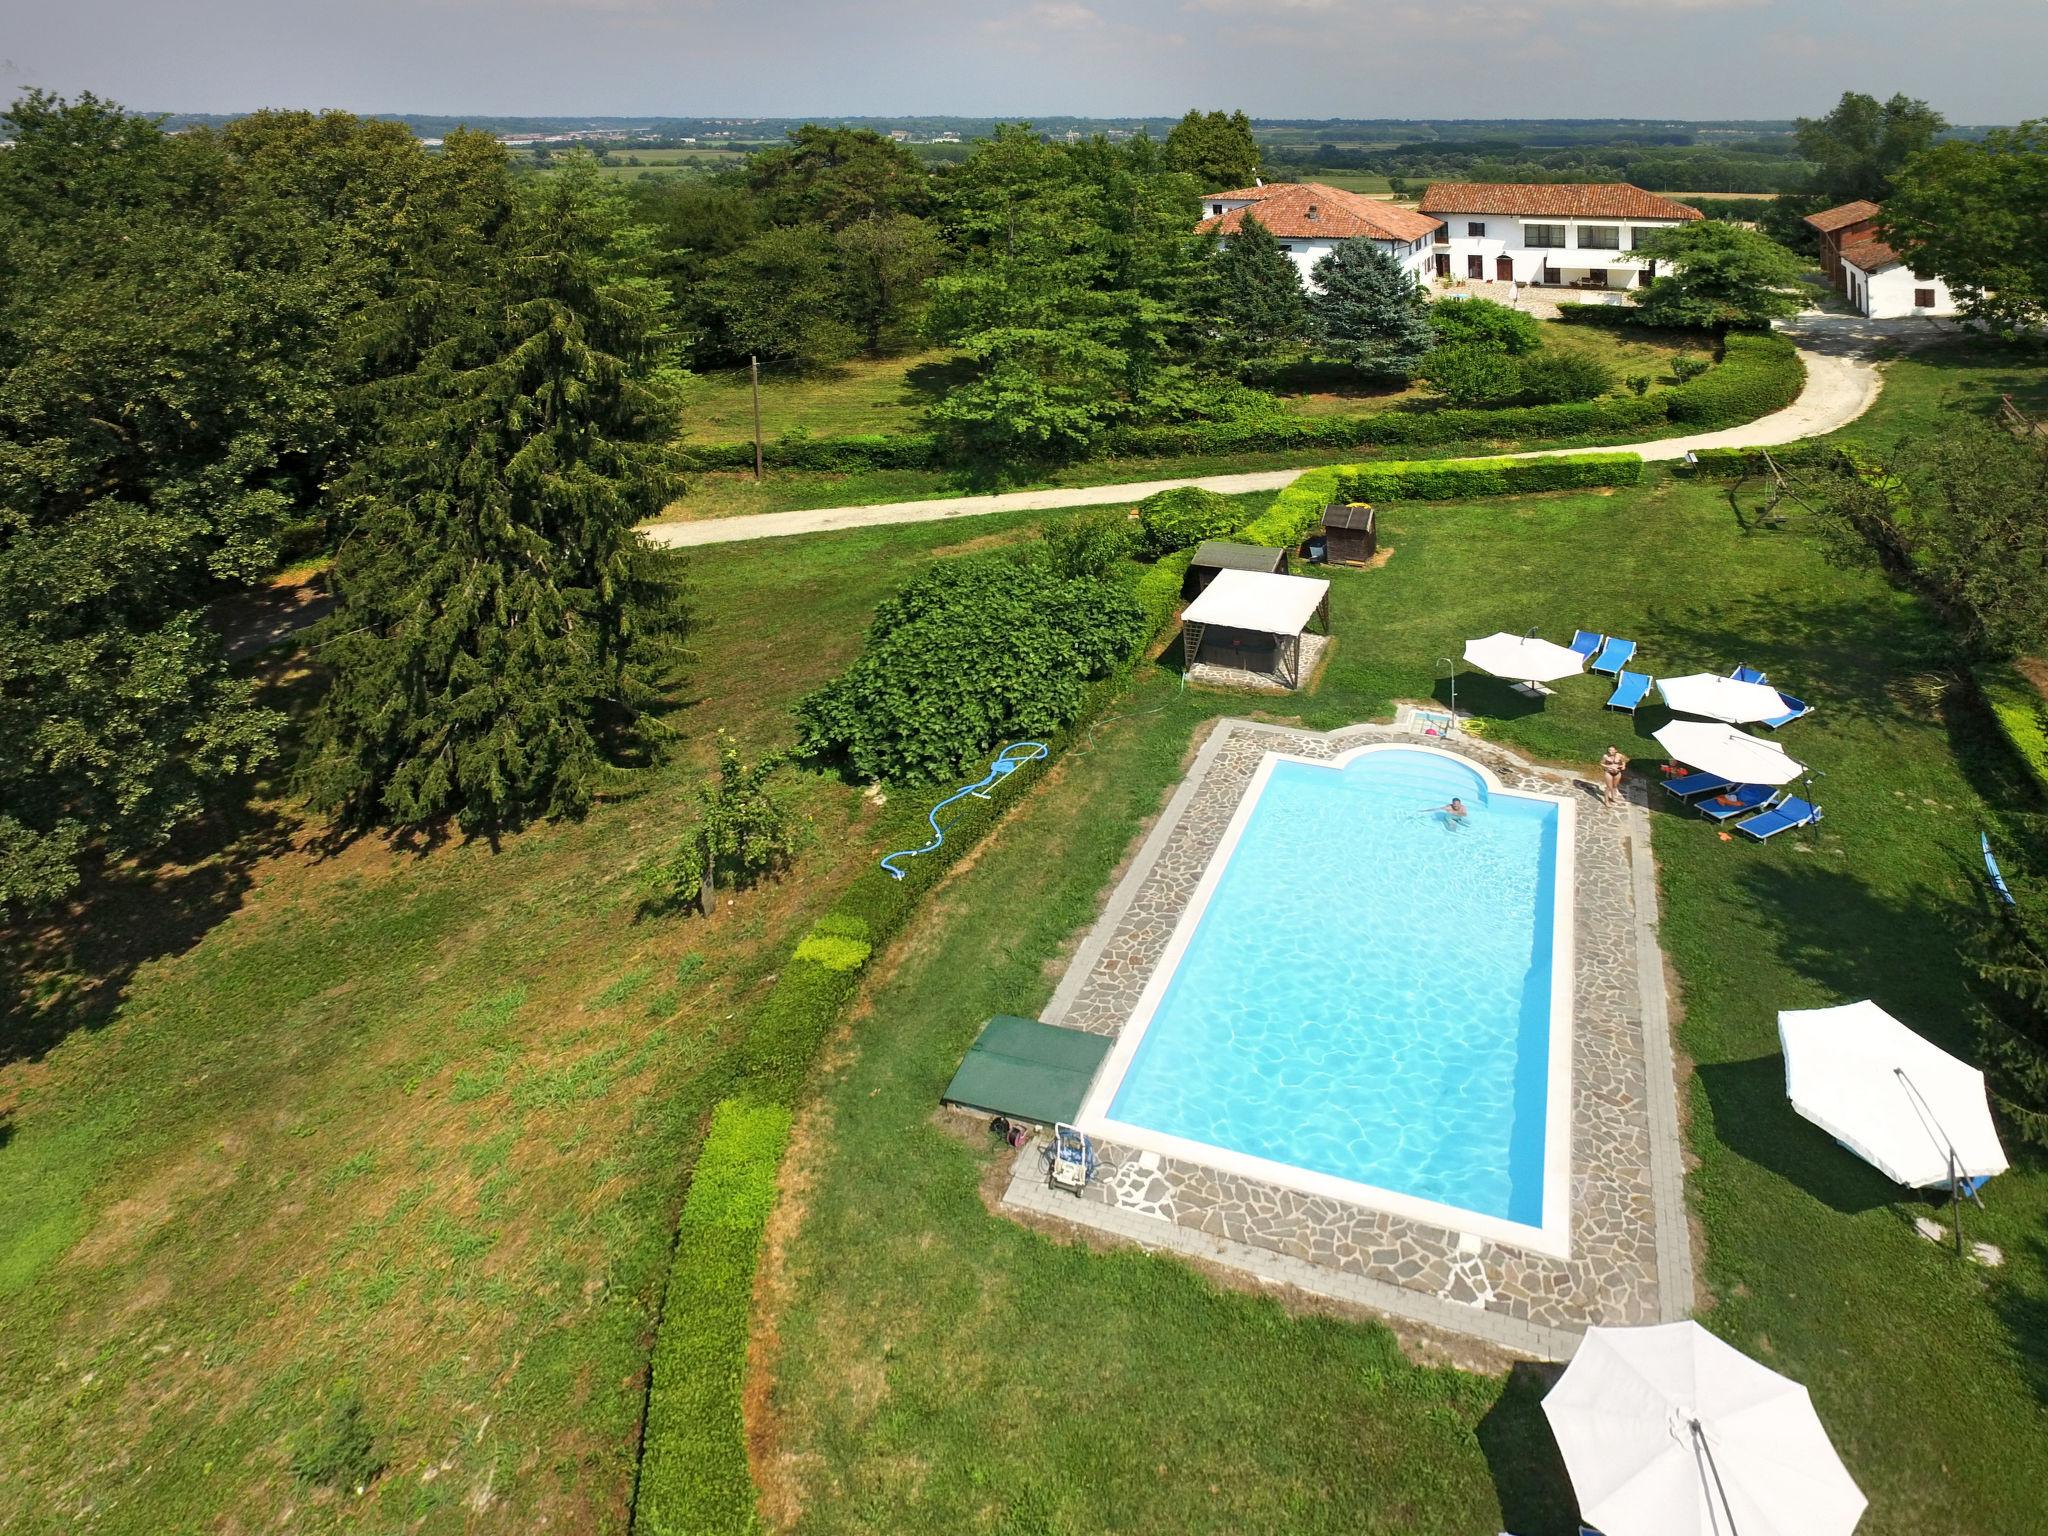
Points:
(1841, 382)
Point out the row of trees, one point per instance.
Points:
(299, 331)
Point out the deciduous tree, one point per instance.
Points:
(1216, 148)
(1976, 216)
(1719, 274)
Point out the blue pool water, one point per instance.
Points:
(1367, 993)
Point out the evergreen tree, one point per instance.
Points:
(501, 624)
(2009, 957)
(1259, 305)
(1370, 311)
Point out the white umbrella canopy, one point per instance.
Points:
(1667, 1431)
(1734, 755)
(1523, 657)
(1898, 1101)
(1721, 698)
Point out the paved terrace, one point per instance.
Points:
(1631, 1261)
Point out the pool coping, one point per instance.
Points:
(1458, 1308)
(1552, 1234)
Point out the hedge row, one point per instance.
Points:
(693, 1470)
(1608, 316)
(901, 450)
(1448, 479)
(1757, 374)
(1734, 463)
(2022, 716)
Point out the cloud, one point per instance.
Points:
(1070, 24)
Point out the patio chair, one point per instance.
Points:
(1585, 642)
(1783, 817)
(1694, 784)
(1741, 800)
(1749, 674)
(1794, 708)
(1629, 690)
(1614, 655)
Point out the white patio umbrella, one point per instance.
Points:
(1734, 755)
(1524, 658)
(1667, 1431)
(1898, 1101)
(1721, 698)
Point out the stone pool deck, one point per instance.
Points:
(1630, 1256)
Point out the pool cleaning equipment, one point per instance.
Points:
(1005, 763)
(1070, 1160)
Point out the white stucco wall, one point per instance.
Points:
(1505, 236)
(1305, 254)
(1888, 294)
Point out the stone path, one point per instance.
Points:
(1630, 1259)
(1841, 382)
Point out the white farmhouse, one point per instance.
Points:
(1547, 234)
(1881, 285)
(1309, 219)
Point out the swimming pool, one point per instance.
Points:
(1369, 999)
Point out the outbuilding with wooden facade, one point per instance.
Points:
(1348, 534)
(1213, 555)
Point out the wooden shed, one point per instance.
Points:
(1213, 555)
(1348, 536)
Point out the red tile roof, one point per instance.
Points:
(1309, 210)
(1828, 220)
(1596, 200)
(1871, 255)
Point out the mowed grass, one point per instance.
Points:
(938, 1368)
(286, 1124)
(868, 394)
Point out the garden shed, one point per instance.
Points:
(1348, 535)
(1249, 625)
(1214, 555)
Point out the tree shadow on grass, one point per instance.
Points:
(1529, 1476)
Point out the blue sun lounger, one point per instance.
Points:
(1614, 655)
(1629, 690)
(1697, 784)
(1794, 708)
(1585, 642)
(1783, 817)
(1748, 797)
(1748, 674)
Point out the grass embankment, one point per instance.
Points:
(285, 1126)
(941, 1369)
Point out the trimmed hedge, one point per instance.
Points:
(1609, 316)
(2021, 713)
(1734, 463)
(902, 450)
(693, 1469)
(1758, 374)
(1449, 479)
(1392, 428)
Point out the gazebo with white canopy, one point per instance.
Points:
(1245, 617)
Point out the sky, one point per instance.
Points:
(1978, 61)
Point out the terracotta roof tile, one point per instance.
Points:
(1595, 200)
(1309, 210)
(1830, 219)
(1871, 255)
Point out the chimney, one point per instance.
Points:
(1311, 211)
(1258, 181)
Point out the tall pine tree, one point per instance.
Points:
(1260, 308)
(502, 625)
(1370, 311)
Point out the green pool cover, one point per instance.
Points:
(1028, 1070)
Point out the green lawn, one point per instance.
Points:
(292, 1122)
(886, 394)
(944, 1369)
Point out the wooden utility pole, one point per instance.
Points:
(754, 370)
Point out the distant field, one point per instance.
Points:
(1355, 181)
(702, 157)
(1697, 195)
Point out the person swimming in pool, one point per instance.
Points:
(1453, 814)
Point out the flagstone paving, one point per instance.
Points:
(1629, 1258)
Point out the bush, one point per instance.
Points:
(1758, 374)
(693, 1467)
(1685, 367)
(1182, 517)
(799, 450)
(1608, 316)
(1448, 479)
(1471, 373)
(972, 652)
(1484, 324)
(1091, 543)
(1552, 378)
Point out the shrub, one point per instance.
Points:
(1685, 367)
(1446, 479)
(1484, 324)
(338, 1449)
(1183, 516)
(1471, 373)
(1552, 378)
(1608, 316)
(1638, 383)
(745, 833)
(1758, 374)
(1091, 543)
(693, 1468)
(799, 450)
(974, 651)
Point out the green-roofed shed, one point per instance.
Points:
(1027, 1070)
(1213, 555)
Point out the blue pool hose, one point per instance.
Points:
(1001, 768)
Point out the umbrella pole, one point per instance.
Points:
(1955, 1194)
(1955, 1169)
(1705, 1453)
